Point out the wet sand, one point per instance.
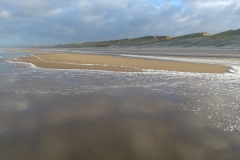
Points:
(64, 60)
(55, 114)
(124, 124)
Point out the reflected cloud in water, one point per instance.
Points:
(123, 124)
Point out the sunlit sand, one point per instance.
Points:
(64, 60)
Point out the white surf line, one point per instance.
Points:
(19, 62)
(234, 65)
(30, 65)
(123, 66)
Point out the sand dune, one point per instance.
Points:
(228, 39)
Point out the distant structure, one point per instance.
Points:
(206, 34)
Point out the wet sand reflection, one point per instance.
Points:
(128, 124)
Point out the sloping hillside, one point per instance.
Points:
(229, 38)
(122, 42)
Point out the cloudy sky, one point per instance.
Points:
(43, 22)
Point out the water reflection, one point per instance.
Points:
(214, 97)
(124, 124)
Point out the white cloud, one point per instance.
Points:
(4, 14)
(37, 22)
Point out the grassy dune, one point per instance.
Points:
(229, 38)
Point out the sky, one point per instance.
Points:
(48, 22)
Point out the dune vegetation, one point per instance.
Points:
(229, 38)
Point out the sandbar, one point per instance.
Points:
(67, 60)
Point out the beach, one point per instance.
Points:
(120, 80)
(68, 60)
(57, 113)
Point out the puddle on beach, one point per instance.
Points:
(62, 114)
(123, 124)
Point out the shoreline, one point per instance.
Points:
(71, 60)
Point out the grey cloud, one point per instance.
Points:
(41, 22)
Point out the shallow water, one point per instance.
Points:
(62, 114)
(123, 124)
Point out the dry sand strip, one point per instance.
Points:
(63, 60)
